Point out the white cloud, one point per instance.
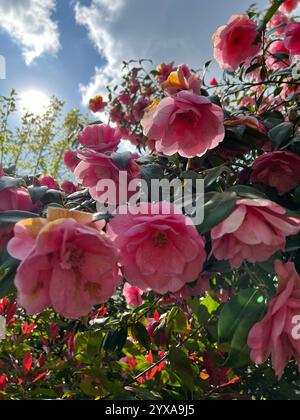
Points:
(30, 24)
(162, 30)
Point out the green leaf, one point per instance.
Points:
(199, 311)
(217, 209)
(281, 133)
(7, 285)
(247, 192)
(237, 318)
(213, 175)
(273, 119)
(15, 216)
(210, 304)
(141, 335)
(121, 159)
(8, 182)
(182, 368)
(176, 321)
(115, 339)
(52, 197)
(37, 193)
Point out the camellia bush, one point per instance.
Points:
(113, 296)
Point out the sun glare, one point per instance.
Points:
(34, 101)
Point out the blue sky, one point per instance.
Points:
(74, 48)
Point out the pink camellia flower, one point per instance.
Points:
(280, 170)
(185, 123)
(96, 167)
(14, 198)
(182, 79)
(273, 336)
(71, 160)
(160, 251)
(100, 137)
(236, 42)
(125, 98)
(277, 20)
(48, 181)
(68, 187)
(97, 104)
(255, 231)
(133, 295)
(292, 38)
(75, 264)
(277, 62)
(164, 71)
(289, 5)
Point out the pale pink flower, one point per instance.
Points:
(160, 251)
(236, 43)
(182, 79)
(273, 336)
(75, 265)
(95, 167)
(100, 137)
(14, 198)
(185, 123)
(255, 231)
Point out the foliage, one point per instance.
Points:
(177, 346)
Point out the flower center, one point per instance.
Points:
(72, 259)
(160, 240)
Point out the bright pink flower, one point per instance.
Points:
(185, 123)
(236, 42)
(159, 249)
(71, 160)
(68, 187)
(95, 167)
(48, 181)
(280, 170)
(292, 38)
(289, 5)
(273, 335)
(275, 63)
(97, 104)
(101, 138)
(182, 79)
(133, 295)
(75, 265)
(277, 20)
(255, 231)
(125, 98)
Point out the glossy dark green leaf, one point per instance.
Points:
(8, 182)
(281, 133)
(15, 216)
(237, 318)
(121, 159)
(141, 335)
(217, 209)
